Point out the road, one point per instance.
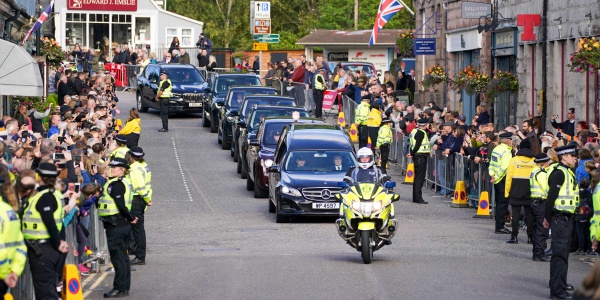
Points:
(209, 239)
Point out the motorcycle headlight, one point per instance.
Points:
(376, 206)
(366, 209)
(290, 191)
(356, 205)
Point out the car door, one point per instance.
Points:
(278, 160)
(253, 159)
(151, 87)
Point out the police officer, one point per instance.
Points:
(384, 139)
(498, 165)
(139, 176)
(113, 209)
(43, 232)
(563, 198)
(419, 150)
(539, 193)
(163, 95)
(13, 251)
(122, 149)
(319, 89)
(366, 171)
(361, 116)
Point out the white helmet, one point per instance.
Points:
(365, 152)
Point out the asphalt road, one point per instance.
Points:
(208, 238)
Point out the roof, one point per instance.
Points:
(251, 87)
(386, 37)
(288, 119)
(318, 137)
(160, 9)
(175, 66)
(277, 107)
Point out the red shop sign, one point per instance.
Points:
(105, 5)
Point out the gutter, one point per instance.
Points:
(5, 33)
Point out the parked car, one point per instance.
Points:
(215, 96)
(303, 179)
(262, 149)
(355, 66)
(248, 129)
(233, 101)
(188, 88)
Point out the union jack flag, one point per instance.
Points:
(39, 21)
(387, 9)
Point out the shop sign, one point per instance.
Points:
(505, 39)
(103, 5)
(528, 22)
(378, 57)
(473, 10)
(337, 56)
(425, 46)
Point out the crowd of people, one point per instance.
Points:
(55, 175)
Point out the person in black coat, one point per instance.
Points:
(202, 58)
(256, 65)
(568, 126)
(63, 89)
(174, 45)
(401, 81)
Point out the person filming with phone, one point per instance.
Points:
(568, 126)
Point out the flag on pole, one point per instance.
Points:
(39, 21)
(387, 9)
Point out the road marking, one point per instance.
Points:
(95, 285)
(187, 189)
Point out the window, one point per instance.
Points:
(185, 35)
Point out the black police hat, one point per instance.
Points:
(164, 73)
(422, 121)
(541, 158)
(506, 135)
(47, 169)
(136, 151)
(121, 138)
(119, 162)
(386, 120)
(568, 149)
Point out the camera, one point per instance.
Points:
(24, 136)
(593, 134)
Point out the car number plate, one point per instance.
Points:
(329, 205)
(194, 104)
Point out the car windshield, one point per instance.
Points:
(258, 116)
(272, 133)
(368, 71)
(223, 83)
(236, 97)
(185, 76)
(266, 101)
(320, 161)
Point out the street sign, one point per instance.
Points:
(260, 46)
(425, 46)
(262, 10)
(262, 26)
(267, 38)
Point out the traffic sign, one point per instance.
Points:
(260, 46)
(262, 10)
(267, 38)
(262, 26)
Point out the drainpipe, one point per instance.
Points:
(544, 61)
(5, 33)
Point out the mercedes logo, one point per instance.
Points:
(326, 194)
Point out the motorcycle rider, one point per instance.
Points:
(366, 171)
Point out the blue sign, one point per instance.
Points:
(425, 46)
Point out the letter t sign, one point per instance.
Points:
(528, 21)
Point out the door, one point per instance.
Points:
(506, 103)
(470, 102)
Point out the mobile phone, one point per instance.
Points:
(45, 135)
(61, 139)
(24, 136)
(71, 187)
(77, 159)
(58, 156)
(62, 166)
(77, 186)
(103, 141)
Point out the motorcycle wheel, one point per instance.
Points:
(366, 248)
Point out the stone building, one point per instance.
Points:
(15, 15)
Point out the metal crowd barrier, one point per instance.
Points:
(349, 109)
(125, 75)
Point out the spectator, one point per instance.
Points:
(580, 172)
(202, 58)
(153, 58)
(256, 65)
(174, 45)
(270, 74)
(528, 132)
(212, 63)
(567, 127)
(184, 57)
(204, 43)
(482, 117)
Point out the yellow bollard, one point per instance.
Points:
(409, 178)
(460, 196)
(483, 209)
(71, 284)
(342, 119)
(354, 133)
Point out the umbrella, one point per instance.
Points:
(19, 72)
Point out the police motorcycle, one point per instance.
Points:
(367, 214)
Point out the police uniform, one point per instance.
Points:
(384, 140)
(43, 232)
(563, 198)
(538, 181)
(419, 150)
(139, 176)
(13, 251)
(361, 116)
(113, 208)
(595, 221)
(319, 89)
(501, 157)
(122, 149)
(165, 86)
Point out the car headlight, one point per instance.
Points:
(230, 119)
(266, 163)
(177, 95)
(290, 191)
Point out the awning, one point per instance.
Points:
(19, 72)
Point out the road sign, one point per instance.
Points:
(262, 26)
(425, 46)
(260, 46)
(262, 10)
(266, 38)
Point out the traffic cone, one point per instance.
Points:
(409, 178)
(342, 119)
(354, 133)
(460, 195)
(483, 209)
(71, 284)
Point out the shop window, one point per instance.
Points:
(142, 30)
(76, 34)
(185, 35)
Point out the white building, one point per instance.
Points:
(140, 23)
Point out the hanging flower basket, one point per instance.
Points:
(587, 56)
(501, 83)
(434, 75)
(471, 80)
(405, 44)
(53, 53)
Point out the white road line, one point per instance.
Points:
(95, 285)
(187, 189)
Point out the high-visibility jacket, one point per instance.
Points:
(568, 195)
(167, 92)
(148, 181)
(384, 136)
(595, 221)
(107, 205)
(119, 152)
(517, 177)
(319, 86)
(362, 113)
(33, 226)
(538, 182)
(13, 252)
(374, 118)
(137, 177)
(500, 160)
(425, 146)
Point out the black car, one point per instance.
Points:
(248, 129)
(251, 102)
(229, 111)
(303, 179)
(215, 97)
(188, 88)
(262, 149)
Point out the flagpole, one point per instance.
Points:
(406, 7)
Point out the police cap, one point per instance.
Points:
(568, 149)
(47, 169)
(164, 73)
(118, 162)
(121, 138)
(541, 158)
(136, 151)
(386, 120)
(423, 122)
(506, 135)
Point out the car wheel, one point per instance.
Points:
(244, 172)
(236, 153)
(272, 207)
(140, 104)
(279, 218)
(239, 166)
(249, 183)
(205, 121)
(213, 124)
(224, 144)
(258, 191)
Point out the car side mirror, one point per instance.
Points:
(241, 124)
(254, 143)
(207, 90)
(395, 198)
(274, 169)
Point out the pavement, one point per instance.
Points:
(208, 238)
